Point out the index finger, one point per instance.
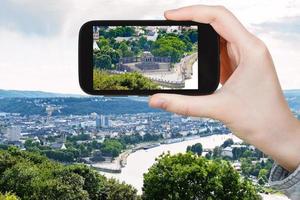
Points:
(221, 19)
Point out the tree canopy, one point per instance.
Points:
(174, 45)
(169, 46)
(227, 143)
(8, 196)
(126, 81)
(31, 176)
(188, 176)
(195, 148)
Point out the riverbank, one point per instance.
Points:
(140, 161)
(116, 165)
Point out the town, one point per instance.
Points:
(103, 140)
(16, 129)
(95, 136)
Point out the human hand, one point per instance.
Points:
(250, 102)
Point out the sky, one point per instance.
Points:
(39, 39)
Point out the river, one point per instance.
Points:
(139, 161)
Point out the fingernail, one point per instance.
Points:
(169, 11)
(158, 103)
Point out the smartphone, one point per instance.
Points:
(143, 57)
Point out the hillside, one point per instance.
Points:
(31, 94)
(75, 106)
(36, 103)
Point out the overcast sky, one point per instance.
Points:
(38, 39)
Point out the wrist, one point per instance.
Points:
(281, 141)
(291, 158)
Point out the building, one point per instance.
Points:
(96, 38)
(95, 33)
(186, 28)
(237, 166)
(49, 110)
(95, 46)
(13, 134)
(147, 62)
(94, 115)
(61, 146)
(98, 122)
(102, 121)
(227, 152)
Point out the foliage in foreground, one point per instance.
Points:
(28, 175)
(32, 176)
(189, 177)
(8, 196)
(127, 81)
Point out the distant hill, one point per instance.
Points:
(36, 102)
(31, 94)
(292, 93)
(41, 94)
(75, 106)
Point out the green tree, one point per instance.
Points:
(128, 31)
(103, 61)
(30, 144)
(121, 31)
(125, 50)
(193, 35)
(187, 42)
(60, 155)
(33, 177)
(246, 166)
(238, 152)
(127, 81)
(262, 176)
(94, 183)
(216, 152)
(112, 147)
(4, 146)
(102, 42)
(109, 51)
(8, 196)
(144, 43)
(119, 191)
(169, 46)
(227, 143)
(189, 177)
(195, 148)
(151, 137)
(208, 155)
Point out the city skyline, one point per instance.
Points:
(39, 40)
(113, 135)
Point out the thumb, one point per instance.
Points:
(197, 106)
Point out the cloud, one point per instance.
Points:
(38, 63)
(31, 17)
(38, 39)
(282, 36)
(284, 28)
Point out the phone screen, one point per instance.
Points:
(145, 57)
